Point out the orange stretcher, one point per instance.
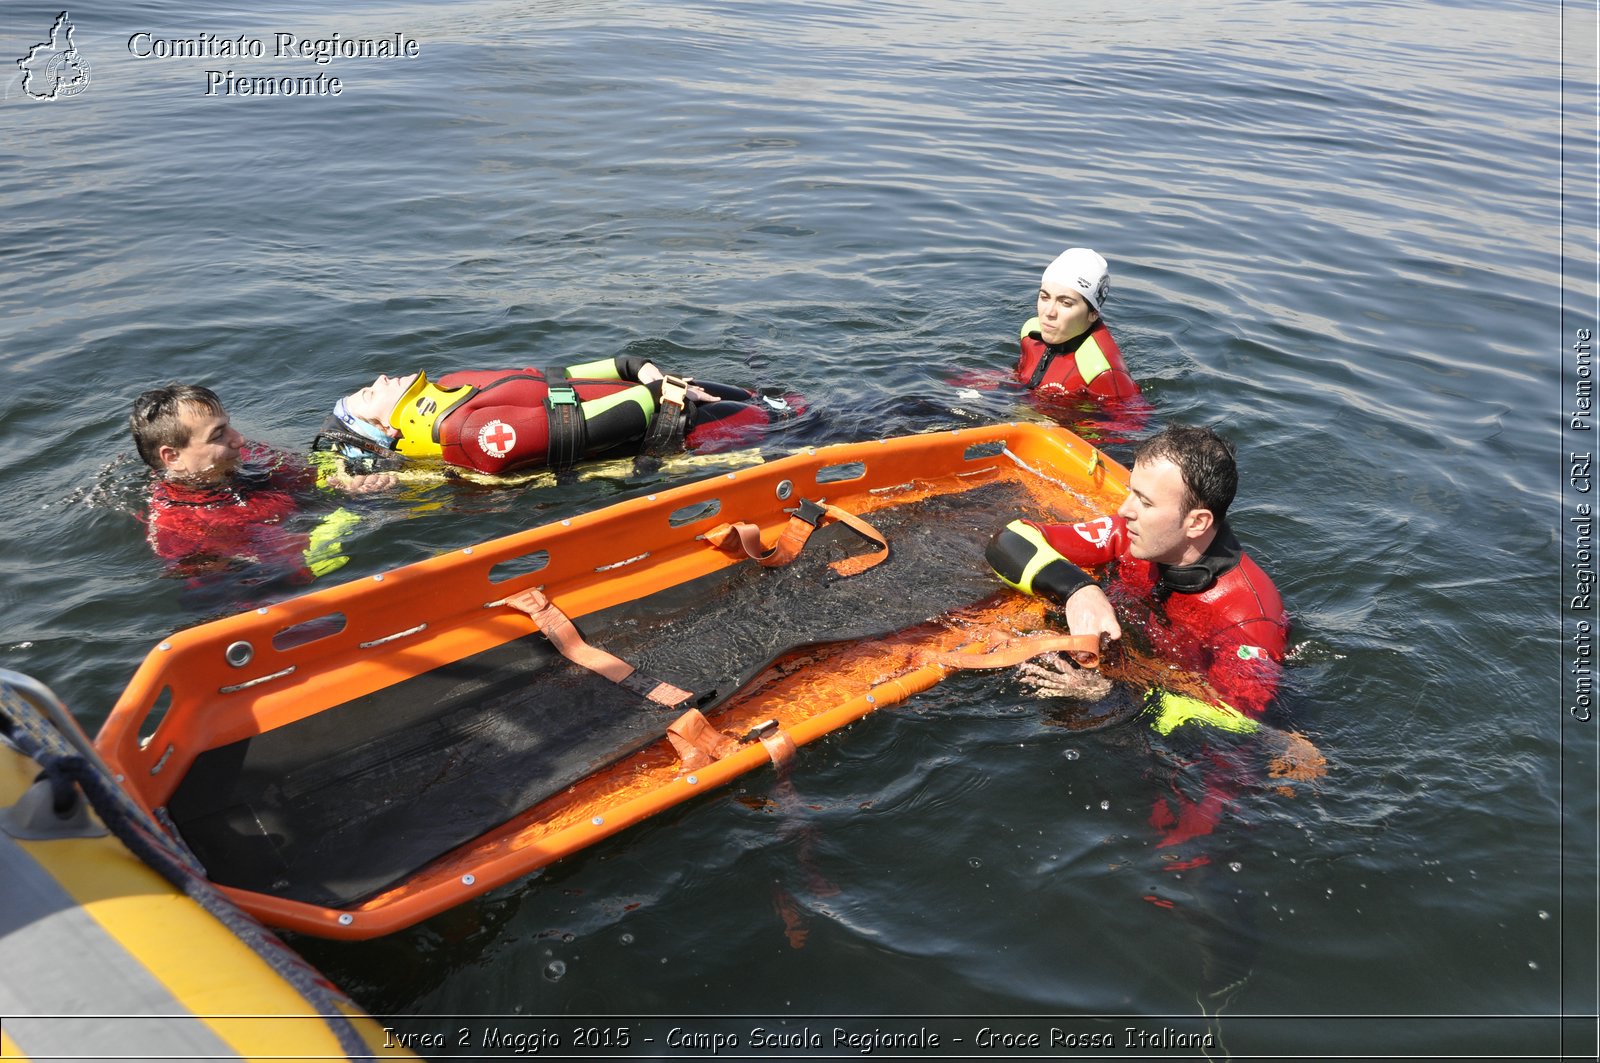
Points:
(354, 760)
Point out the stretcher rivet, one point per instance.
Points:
(165, 646)
(466, 550)
(651, 497)
(566, 524)
(692, 780)
(467, 880)
(261, 611)
(239, 653)
(871, 700)
(346, 919)
(785, 489)
(730, 476)
(598, 821)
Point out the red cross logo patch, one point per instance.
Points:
(497, 438)
(1095, 532)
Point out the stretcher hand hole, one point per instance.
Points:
(979, 451)
(309, 631)
(849, 470)
(522, 565)
(695, 511)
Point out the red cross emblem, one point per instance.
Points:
(497, 438)
(1095, 532)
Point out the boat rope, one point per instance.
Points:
(35, 722)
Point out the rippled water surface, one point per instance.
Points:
(1336, 233)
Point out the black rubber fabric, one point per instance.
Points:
(350, 801)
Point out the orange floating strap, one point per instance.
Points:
(805, 519)
(564, 636)
(1085, 649)
(697, 742)
(780, 749)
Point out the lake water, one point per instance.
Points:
(1359, 238)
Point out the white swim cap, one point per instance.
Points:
(1082, 270)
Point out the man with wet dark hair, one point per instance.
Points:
(217, 500)
(182, 430)
(1174, 566)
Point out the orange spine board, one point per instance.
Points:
(243, 675)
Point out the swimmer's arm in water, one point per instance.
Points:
(623, 367)
(365, 485)
(639, 370)
(1022, 556)
(332, 473)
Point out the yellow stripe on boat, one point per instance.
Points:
(104, 958)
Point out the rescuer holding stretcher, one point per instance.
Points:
(1177, 573)
(1176, 566)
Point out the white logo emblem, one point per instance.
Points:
(1095, 532)
(497, 438)
(55, 68)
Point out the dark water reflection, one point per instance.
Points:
(1332, 235)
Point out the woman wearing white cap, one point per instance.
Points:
(1066, 348)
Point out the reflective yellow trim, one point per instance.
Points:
(1043, 554)
(604, 369)
(1031, 327)
(638, 394)
(328, 467)
(1175, 710)
(325, 552)
(1092, 360)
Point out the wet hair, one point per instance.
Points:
(157, 418)
(1205, 460)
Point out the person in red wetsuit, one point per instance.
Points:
(1176, 566)
(1177, 570)
(218, 500)
(1067, 350)
(503, 421)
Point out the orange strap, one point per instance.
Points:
(1085, 649)
(698, 743)
(780, 748)
(805, 519)
(564, 636)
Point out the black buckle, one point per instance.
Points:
(809, 511)
(759, 731)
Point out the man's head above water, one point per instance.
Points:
(183, 432)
